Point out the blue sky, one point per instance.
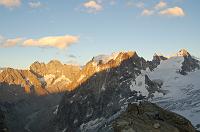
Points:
(77, 30)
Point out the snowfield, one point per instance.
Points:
(182, 92)
(139, 85)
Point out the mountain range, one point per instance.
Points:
(109, 93)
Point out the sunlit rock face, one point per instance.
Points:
(24, 78)
(55, 68)
(42, 78)
(55, 75)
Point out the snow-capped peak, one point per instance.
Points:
(105, 58)
(114, 56)
(183, 52)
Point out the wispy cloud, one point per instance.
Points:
(175, 11)
(12, 42)
(9, 42)
(10, 3)
(160, 5)
(147, 12)
(36, 4)
(72, 56)
(93, 6)
(131, 3)
(60, 42)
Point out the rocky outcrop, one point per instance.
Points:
(189, 64)
(155, 61)
(147, 117)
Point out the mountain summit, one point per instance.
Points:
(184, 53)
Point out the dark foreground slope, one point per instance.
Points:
(147, 117)
(3, 126)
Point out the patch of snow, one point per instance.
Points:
(91, 124)
(139, 85)
(49, 78)
(89, 112)
(121, 77)
(103, 87)
(121, 100)
(42, 80)
(85, 98)
(62, 78)
(64, 130)
(56, 111)
(105, 58)
(75, 121)
(157, 94)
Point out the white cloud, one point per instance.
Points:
(10, 3)
(60, 42)
(4, 42)
(92, 6)
(147, 12)
(9, 42)
(35, 4)
(12, 42)
(175, 11)
(160, 5)
(140, 5)
(160, 8)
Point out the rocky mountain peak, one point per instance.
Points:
(101, 63)
(157, 57)
(184, 53)
(189, 64)
(125, 55)
(55, 63)
(119, 56)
